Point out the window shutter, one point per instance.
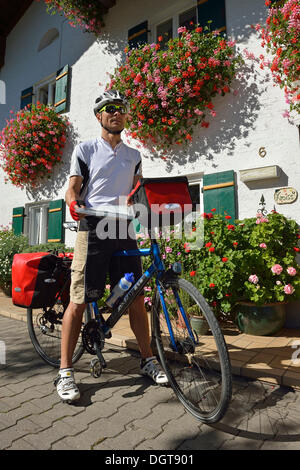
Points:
(213, 10)
(26, 97)
(56, 231)
(61, 89)
(138, 35)
(136, 225)
(219, 193)
(18, 220)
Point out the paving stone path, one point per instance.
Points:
(123, 410)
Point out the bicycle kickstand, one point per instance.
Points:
(97, 363)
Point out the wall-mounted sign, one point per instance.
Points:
(285, 195)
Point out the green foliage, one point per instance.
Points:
(10, 244)
(171, 91)
(87, 14)
(250, 260)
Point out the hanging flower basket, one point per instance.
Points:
(171, 91)
(32, 144)
(87, 14)
(281, 37)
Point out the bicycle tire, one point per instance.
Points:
(200, 377)
(46, 338)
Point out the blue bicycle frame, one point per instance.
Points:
(156, 269)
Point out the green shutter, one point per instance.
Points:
(138, 35)
(219, 193)
(61, 89)
(212, 10)
(136, 225)
(56, 231)
(26, 97)
(18, 220)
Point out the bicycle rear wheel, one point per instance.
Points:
(44, 327)
(197, 367)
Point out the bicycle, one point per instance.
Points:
(199, 371)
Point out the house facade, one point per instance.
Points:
(249, 150)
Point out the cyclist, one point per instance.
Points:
(102, 170)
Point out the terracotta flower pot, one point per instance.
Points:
(180, 321)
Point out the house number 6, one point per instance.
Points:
(262, 152)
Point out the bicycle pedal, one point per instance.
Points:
(96, 368)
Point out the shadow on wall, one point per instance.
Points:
(240, 111)
(49, 188)
(112, 45)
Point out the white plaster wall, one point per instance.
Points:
(243, 124)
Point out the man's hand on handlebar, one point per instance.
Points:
(73, 208)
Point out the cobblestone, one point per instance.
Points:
(125, 411)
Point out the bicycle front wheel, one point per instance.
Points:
(197, 366)
(44, 327)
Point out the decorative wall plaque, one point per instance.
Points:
(285, 195)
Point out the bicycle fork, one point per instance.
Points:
(174, 344)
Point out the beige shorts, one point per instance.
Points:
(77, 291)
(94, 263)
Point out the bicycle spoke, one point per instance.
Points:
(199, 371)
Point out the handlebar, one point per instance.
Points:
(115, 212)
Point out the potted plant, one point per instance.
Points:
(32, 144)
(172, 90)
(246, 269)
(87, 14)
(280, 37)
(268, 271)
(198, 322)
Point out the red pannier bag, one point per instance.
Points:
(161, 202)
(36, 279)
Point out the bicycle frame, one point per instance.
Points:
(156, 269)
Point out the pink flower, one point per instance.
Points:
(168, 249)
(278, 283)
(253, 278)
(276, 269)
(288, 289)
(263, 245)
(291, 271)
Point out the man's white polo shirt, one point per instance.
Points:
(107, 173)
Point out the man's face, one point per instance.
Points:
(113, 121)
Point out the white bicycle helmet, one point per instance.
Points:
(109, 97)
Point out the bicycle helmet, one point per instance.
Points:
(109, 97)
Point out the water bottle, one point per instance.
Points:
(120, 289)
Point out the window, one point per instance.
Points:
(188, 18)
(186, 13)
(37, 222)
(195, 186)
(165, 30)
(41, 222)
(168, 28)
(53, 90)
(44, 91)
